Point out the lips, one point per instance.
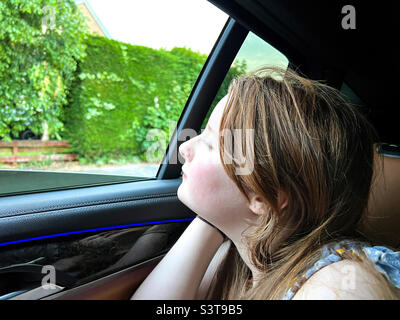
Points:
(183, 173)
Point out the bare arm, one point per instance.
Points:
(207, 280)
(179, 273)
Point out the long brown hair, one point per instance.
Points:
(316, 147)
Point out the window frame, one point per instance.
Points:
(203, 93)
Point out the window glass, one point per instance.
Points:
(351, 95)
(97, 86)
(254, 53)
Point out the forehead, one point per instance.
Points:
(216, 115)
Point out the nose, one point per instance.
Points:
(185, 151)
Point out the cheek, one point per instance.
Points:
(210, 193)
(205, 181)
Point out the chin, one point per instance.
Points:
(179, 193)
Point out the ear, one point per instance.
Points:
(257, 205)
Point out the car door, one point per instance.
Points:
(66, 235)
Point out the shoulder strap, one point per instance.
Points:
(330, 253)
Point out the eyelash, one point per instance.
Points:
(207, 144)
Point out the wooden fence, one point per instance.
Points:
(52, 148)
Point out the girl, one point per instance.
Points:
(280, 220)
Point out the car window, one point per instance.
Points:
(253, 54)
(96, 87)
(351, 95)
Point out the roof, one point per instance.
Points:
(95, 23)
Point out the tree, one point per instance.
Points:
(161, 119)
(41, 42)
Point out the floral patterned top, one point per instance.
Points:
(385, 260)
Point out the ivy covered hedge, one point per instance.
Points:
(40, 44)
(124, 91)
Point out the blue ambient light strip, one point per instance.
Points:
(92, 230)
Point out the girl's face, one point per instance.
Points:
(206, 189)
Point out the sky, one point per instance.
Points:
(195, 24)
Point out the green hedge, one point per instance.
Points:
(122, 91)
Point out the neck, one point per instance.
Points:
(245, 255)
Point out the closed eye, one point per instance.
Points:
(207, 144)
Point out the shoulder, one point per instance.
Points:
(342, 280)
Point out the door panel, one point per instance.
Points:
(118, 286)
(86, 236)
(84, 259)
(51, 213)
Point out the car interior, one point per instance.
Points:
(104, 239)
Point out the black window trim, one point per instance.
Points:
(204, 91)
